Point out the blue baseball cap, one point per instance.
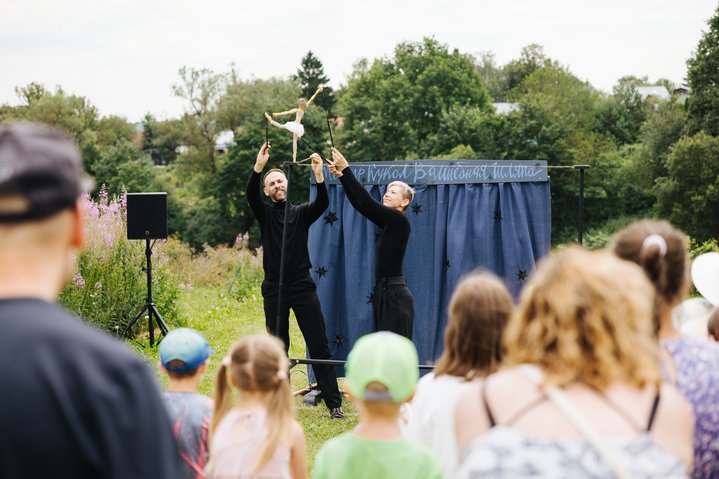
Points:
(187, 345)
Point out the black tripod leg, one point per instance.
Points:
(134, 320)
(160, 322)
(150, 326)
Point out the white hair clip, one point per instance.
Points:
(281, 374)
(226, 361)
(655, 239)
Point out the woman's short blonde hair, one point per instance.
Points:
(586, 317)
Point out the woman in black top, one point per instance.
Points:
(392, 301)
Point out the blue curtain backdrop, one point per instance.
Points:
(456, 227)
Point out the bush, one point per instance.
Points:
(236, 269)
(110, 284)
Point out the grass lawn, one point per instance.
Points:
(223, 320)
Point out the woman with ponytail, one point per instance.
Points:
(692, 363)
(257, 436)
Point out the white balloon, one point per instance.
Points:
(705, 275)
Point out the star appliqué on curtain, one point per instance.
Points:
(330, 218)
(340, 339)
(370, 297)
(416, 209)
(522, 274)
(447, 264)
(498, 216)
(321, 271)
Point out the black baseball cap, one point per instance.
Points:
(43, 168)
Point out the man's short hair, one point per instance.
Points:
(264, 178)
(40, 173)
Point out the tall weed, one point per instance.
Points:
(110, 284)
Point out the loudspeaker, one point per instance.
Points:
(147, 215)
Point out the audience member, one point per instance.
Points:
(582, 394)
(258, 437)
(184, 354)
(478, 311)
(382, 371)
(661, 251)
(75, 403)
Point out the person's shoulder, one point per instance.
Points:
(59, 328)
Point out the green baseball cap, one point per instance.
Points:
(386, 358)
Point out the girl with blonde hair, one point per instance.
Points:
(258, 437)
(582, 394)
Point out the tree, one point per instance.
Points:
(703, 104)
(493, 77)
(202, 90)
(689, 196)
(622, 114)
(311, 75)
(531, 58)
(392, 108)
(161, 139)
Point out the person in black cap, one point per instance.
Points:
(299, 291)
(392, 301)
(75, 403)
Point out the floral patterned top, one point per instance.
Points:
(503, 453)
(697, 367)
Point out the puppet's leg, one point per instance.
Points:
(273, 122)
(294, 147)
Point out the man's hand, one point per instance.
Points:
(338, 163)
(317, 167)
(262, 157)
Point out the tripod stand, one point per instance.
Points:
(149, 306)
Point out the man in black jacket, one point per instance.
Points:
(299, 290)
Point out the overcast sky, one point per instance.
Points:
(124, 55)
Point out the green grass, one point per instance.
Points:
(224, 320)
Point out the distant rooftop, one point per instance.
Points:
(656, 91)
(504, 108)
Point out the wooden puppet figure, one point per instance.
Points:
(294, 126)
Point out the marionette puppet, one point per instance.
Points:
(294, 126)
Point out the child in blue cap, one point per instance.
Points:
(184, 354)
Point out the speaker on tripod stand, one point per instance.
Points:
(147, 219)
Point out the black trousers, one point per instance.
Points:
(393, 306)
(301, 296)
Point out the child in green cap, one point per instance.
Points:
(382, 371)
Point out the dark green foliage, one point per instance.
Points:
(689, 196)
(311, 75)
(703, 77)
(393, 109)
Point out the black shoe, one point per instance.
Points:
(336, 413)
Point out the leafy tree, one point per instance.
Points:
(703, 103)
(689, 196)
(392, 108)
(531, 58)
(111, 129)
(493, 77)
(202, 90)
(311, 75)
(161, 139)
(622, 114)
(555, 123)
